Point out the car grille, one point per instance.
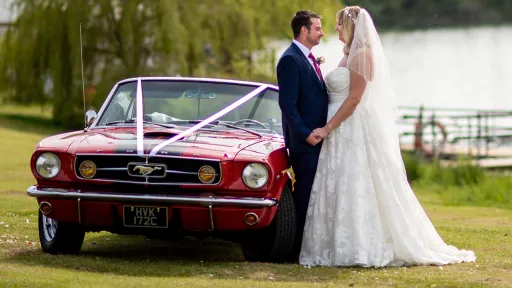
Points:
(178, 170)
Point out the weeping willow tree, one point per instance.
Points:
(40, 54)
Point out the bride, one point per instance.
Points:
(362, 211)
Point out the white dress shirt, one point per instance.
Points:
(306, 52)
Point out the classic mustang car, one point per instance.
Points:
(167, 158)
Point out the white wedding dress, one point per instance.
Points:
(362, 211)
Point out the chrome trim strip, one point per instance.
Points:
(153, 183)
(33, 191)
(112, 169)
(167, 171)
(150, 157)
(198, 79)
(79, 212)
(210, 209)
(186, 173)
(183, 172)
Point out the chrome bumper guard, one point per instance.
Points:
(251, 202)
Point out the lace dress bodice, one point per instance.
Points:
(338, 84)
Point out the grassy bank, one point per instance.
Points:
(109, 260)
(463, 184)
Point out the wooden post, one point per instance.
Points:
(433, 125)
(478, 137)
(486, 123)
(469, 136)
(419, 133)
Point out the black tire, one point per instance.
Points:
(59, 238)
(275, 242)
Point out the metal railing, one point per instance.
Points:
(476, 129)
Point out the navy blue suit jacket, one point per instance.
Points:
(302, 98)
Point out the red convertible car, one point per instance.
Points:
(167, 158)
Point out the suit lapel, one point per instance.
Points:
(308, 64)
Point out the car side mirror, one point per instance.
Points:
(90, 116)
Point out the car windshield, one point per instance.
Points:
(186, 103)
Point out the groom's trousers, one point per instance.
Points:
(304, 167)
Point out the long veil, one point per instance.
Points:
(367, 58)
(414, 238)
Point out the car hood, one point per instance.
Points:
(213, 145)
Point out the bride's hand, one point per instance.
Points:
(322, 132)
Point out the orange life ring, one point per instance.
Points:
(418, 139)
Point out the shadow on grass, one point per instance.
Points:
(30, 123)
(137, 248)
(141, 257)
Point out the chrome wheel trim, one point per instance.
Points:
(49, 228)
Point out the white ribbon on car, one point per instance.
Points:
(140, 119)
(154, 151)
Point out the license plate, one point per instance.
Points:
(145, 216)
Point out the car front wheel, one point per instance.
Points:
(275, 242)
(59, 238)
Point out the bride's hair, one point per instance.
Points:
(347, 17)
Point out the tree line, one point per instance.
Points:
(40, 53)
(427, 14)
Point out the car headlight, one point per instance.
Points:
(48, 165)
(255, 175)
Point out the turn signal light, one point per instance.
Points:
(45, 208)
(251, 218)
(87, 169)
(206, 174)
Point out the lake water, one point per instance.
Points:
(450, 68)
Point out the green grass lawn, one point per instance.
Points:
(109, 260)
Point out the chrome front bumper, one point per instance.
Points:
(189, 200)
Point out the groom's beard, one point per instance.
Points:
(313, 41)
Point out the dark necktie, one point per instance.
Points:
(317, 68)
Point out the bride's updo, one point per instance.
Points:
(347, 17)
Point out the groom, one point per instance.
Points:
(303, 102)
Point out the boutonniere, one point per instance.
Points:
(320, 60)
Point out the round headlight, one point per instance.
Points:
(48, 165)
(206, 174)
(255, 175)
(87, 169)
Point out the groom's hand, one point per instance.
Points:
(314, 138)
(322, 132)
